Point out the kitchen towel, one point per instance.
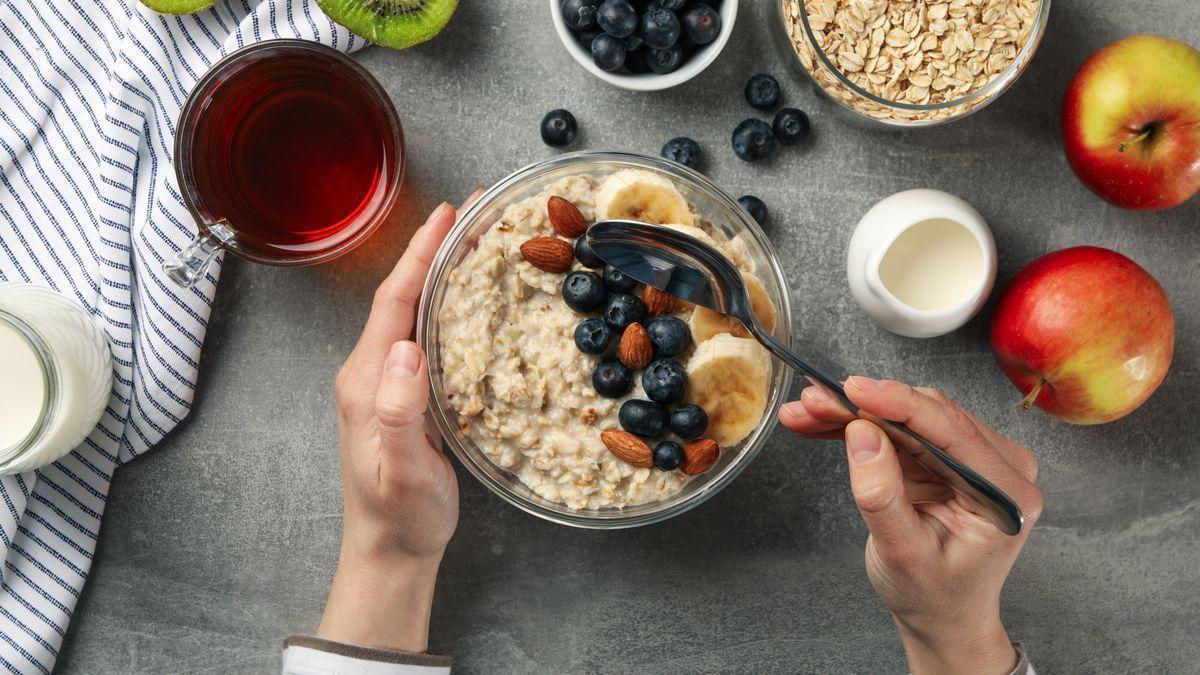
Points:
(90, 92)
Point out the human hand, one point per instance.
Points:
(935, 560)
(400, 494)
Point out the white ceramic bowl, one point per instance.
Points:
(648, 81)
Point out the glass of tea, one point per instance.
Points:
(288, 153)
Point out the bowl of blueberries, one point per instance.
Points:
(644, 45)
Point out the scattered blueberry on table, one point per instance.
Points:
(684, 151)
(753, 140)
(790, 126)
(559, 128)
(755, 207)
(762, 91)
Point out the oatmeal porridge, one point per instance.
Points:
(526, 393)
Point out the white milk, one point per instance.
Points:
(934, 265)
(55, 376)
(22, 386)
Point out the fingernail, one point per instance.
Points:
(403, 360)
(816, 394)
(862, 443)
(441, 210)
(795, 409)
(862, 383)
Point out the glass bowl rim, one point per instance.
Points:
(751, 447)
(997, 85)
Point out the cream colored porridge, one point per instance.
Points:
(523, 391)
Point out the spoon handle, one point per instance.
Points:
(998, 506)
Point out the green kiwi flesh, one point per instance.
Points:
(178, 6)
(392, 23)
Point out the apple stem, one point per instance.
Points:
(1027, 402)
(1146, 131)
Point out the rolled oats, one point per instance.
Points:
(924, 52)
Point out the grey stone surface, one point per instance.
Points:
(222, 541)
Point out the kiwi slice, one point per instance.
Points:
(178, 6)
(392, 23)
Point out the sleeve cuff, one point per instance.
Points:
(1023, 667)
(308, 655)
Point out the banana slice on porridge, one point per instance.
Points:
(728, 377)
(640, 195)
(705, 323)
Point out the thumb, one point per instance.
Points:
(878, 486)
(402, 396)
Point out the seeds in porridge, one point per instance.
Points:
(923, 53)
(659, 302)
(631, 449)
(565, 218)
(635, 349)
(699, 456)
(549, 254)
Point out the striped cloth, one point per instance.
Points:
(90, 92)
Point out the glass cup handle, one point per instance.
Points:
(186, 267)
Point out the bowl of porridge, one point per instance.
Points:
(570, 390)
(900, 63)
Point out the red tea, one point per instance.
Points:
(294, 151)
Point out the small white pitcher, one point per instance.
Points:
(935, 267)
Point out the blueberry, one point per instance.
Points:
(701, 25)
(753, 140)
(689, 421)
(632, 44)
(584, 291)
(790, 126)
(673, 5)
(663, 61)
(755, 207)
(660, 28)
(664, 380)
(592, 336)
(608, 52)
(644, 418)
(559, 128)
(586, 256)
(669, 335)
(612, 379)
(618, 18)
(617, 281)
(579, 14)
(623, 309)
(586, 37)
(683, 150)
(762, 91)
(668, 455)
(635, 62)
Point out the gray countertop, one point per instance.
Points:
(222, 541)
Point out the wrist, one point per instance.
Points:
(979, 647)
(381, 601)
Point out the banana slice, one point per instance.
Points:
(641, 195)
(706, 323)
(728, 377)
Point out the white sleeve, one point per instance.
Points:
(305, 655)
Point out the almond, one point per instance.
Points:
(636, 351)
(658, 302)
(699, 456)
(548, 253)
(565, 218)
(629, 448)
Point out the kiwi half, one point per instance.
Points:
(392, 23)
(178, 6)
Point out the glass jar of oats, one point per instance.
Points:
(912, 62)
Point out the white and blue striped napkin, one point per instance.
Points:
(90, 92)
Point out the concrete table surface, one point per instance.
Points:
(222, 541)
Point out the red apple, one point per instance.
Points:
(1131, 122)
(1085, 333)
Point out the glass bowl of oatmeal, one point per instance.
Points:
(899, 63)
(513, 395)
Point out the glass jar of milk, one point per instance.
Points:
(55, 376)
